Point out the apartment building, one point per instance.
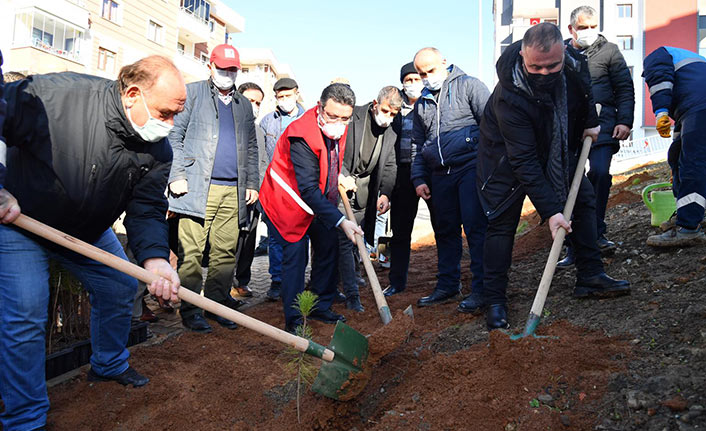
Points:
(636, 26)
(259, 65)
(100, 36)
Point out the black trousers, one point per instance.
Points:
(324, 267)
(404, 202)
(245, 251)
(500, 237)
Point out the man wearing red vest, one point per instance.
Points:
(300, 197)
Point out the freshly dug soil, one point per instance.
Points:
(630, 363)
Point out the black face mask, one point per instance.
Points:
(544, 83)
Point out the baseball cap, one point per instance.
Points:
(225, 56)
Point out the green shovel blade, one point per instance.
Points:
(345, 376)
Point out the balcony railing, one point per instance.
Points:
(74, 55)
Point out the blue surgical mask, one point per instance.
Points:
(153, 130)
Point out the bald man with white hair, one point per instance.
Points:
(445, 135)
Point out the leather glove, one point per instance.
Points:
(664, 125)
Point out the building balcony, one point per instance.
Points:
(192, 28)
(192, 68)
(35, 60)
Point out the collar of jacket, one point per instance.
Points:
(115, 115)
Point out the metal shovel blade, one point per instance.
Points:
(346, 376)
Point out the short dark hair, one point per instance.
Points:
(245, 86)
(339, 93)
(144, 72)
(542, 36)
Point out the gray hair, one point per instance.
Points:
(542, 36)
(339, 93)
(391, 95)
(586, 11)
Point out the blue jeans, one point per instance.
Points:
(274, 252)
(456, 204)
(24, 298)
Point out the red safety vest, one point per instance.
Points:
(279, 193)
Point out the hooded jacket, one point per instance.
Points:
(516, 133)
(445, 131)
(612, 87)
(76, 163)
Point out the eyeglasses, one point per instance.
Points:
(334, 119)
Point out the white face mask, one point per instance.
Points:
(382, 120)
(223, 79)
(255, 110)
(413, 89)
(433, 82)
(153, 130)
(331, 130)
(586, 38)
(287, 104)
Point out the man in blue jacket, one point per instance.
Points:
(445, 133)
(81, 151)
(273, 125)
(675, 78)
(214, 178)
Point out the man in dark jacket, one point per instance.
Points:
(245, 251)
(82, 150)
(213, 179)
(369, 171)
(273, 125)
(404, 195)
(300, 197)
(675, 78)
(445, 134)
(532, 129)
(612, 88)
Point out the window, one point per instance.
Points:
(48, 33)
(204, 58)
(211, 26)
(625, 43)
(201, 9)
(624, 11)
(106, 60)
(180, 48)
(110, 10)
(154, 32)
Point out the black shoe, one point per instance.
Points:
(360, 280)
(261, 249)
(392, 290)
(196, 323)
(326, 316)
(292, 326)
(275, 291)
(221, 320)
(569, 260)
(353, 303)
(496, 317)
(601, 286)
(233, 303)
(473, 304)
(605, 246)
(438, 297)
(339, 298)
(127, 377)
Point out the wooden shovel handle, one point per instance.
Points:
(47, 232)
(553, 258)
(380, 300)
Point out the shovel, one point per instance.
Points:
(341, 375)
(380, 300)
(543, 290)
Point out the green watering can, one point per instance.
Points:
(661, 204)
